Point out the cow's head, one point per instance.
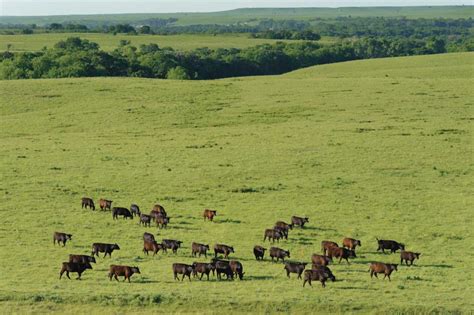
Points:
(306, 220)
(135, 269)
(92, 259)
(394, 267)
(69, 236)
(417, 255)
(352, 253)
(115, 246)
(358, 243)
(287, 253)
(402, 246)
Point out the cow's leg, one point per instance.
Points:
(376, 275)
(323, 283)
(61, 273)
(116, 277)
(79, 275)
(371, 274)
(110, 276)
(176, 276)
(67, 274)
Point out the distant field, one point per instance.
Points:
(109, 42)
(249, 15)
(375, 148)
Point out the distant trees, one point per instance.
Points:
(76, 57)
(287, 34)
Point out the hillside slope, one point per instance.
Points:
(366, 149)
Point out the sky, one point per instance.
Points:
(64, 7)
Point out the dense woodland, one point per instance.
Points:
(359, 38)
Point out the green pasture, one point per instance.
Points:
(109, 42)
(374, 148)
(250, 15)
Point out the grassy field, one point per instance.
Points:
(109, 42)
(376, 148)
(251, 14)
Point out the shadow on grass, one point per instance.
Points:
(434, 266)
(227, 221)
(314, 228)
(251, 278)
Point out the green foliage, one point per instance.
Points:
(177, 73)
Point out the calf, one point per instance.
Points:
(145, 219)
(87, 202)
(298, 221)
(294, 267)
(68, 267)
(341, 253)
(148, 237)
(200, 249)
(325, 245)
(116, 211)
(151, 246)
(320, 260)
(237, 268)
(316, 275)
(104, 248)
(125, 271)
(162, 222)
(377, 267)
(223, 249)
(389, 244)
(259, 252)
(209, 214)
(279, 253)
(105, 204)
(61, 238)
(223, 267)
(135, 210)
(350, 243)
(408, 257)
(171, 244)
(203, 269)
(81, 259)
(185, 270)
(272, 235)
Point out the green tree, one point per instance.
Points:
(177, 73)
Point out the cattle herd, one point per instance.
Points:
(229, 268)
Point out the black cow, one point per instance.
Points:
(314, 275)
(223, 249)
(116, 211)
(61, 238)
(145, 219)
(68, 267)
(148, 237)
(87, 202)
(259, 252)
(294, 267)
(135, 210)
(223, 267)
(389, 244)
(279, 253)
(81, 259)
(171, 244)
(104, 248)
(185, 270)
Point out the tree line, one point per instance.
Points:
(76, 57)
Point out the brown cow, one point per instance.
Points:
(145, 219)
(151, 246)
(105, 204)
(158, 210)
(61, 238)
(200, 249)
(203, 269)
(185, 270)
(272, 235)
(125, 271)
(104, 248)
(162, 222)
(68, 267)
(237, 268)
(209, 214)
(316, 274)
(341, 253)
(299, 221)
(87, 202)
(279, 253)
(284, 225)
(350, 243)
(320, 260)
(325, 245)
(378, 267)
(408, 257)
(294, 267)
